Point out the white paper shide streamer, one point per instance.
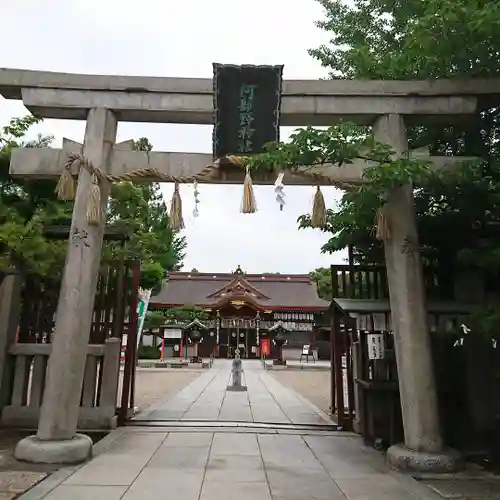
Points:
(196, 199)
(278, 190)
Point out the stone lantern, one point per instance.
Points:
(279, 340)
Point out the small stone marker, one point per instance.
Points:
(236, 372)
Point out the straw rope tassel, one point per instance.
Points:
(383, 228)
(176, 220)
(318, 216)
(66, 186)
(94, 209)
(248, 205)
(66, 189)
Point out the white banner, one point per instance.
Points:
(142, 307)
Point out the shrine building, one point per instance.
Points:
(245, 311)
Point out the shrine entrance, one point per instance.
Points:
(238, 323)
(240, 310)
(247, 105)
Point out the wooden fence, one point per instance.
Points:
(342, 372)
(115, 290)
(26, 345)
(467, 372)
(98, 402)
(370, 282)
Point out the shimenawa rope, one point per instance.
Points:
(66, 187)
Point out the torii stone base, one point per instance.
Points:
(68, 451)
(401, 458)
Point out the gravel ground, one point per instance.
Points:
(314, 386)
(156, 384)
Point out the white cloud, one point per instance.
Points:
(171, 38)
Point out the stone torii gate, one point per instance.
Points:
(104, 100)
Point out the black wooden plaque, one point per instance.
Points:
(247, 106)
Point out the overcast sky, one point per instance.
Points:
(183, 39)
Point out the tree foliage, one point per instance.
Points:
(26, 207)
(140, 210)
(377, 39)
(153, 320)
(341, 145)
(323, 278)
(380, 39)
(186, 314)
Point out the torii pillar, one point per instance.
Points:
(423, 449)
(56, 440)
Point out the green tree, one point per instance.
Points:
(379, 39)
(376, 39)
(323, 278)
(154, 319)
(141, 210)
(27, 206)
(186, 314)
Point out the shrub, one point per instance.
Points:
(148, 352)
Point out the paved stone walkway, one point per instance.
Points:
(196, 463)
(265, 400)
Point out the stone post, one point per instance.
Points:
(56, 440)
(236, 372)
(110, 376)
(423, 447)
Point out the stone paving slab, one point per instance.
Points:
(87, 493)
(212, 466)
(203, 463)
(265, 400)
(466, 489)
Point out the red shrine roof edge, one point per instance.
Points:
(270, 291)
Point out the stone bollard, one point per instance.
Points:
(236, 372)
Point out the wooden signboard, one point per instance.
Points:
(307, 351)
(376, 346)
(247, 104)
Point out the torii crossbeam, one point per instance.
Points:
(48, 163)
(190, 100)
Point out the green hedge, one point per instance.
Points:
(148, 352)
